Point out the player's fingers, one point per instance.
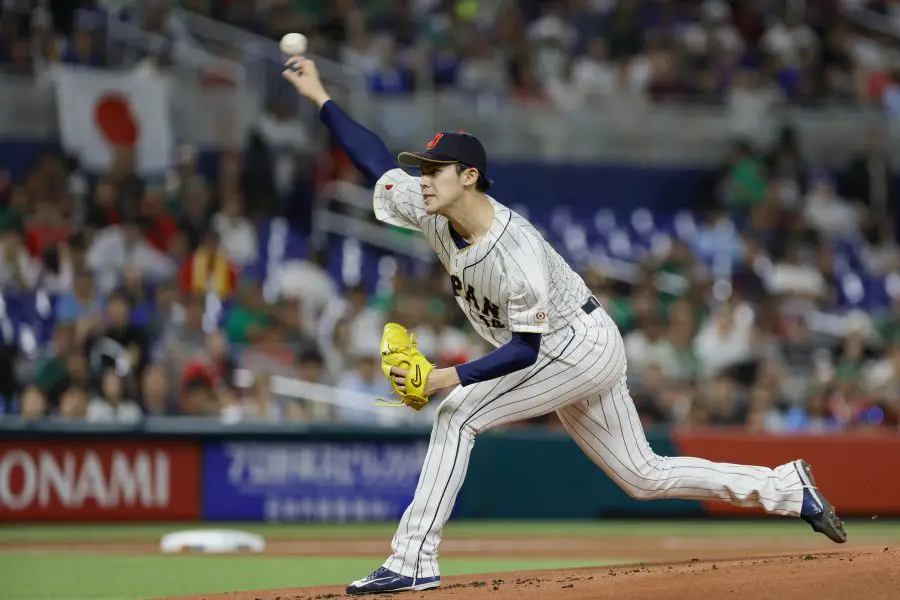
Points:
(397, 371)
(300, 64)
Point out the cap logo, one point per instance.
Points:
(430, 145)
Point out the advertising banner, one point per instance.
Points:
(310, 481)
(98, 480)
(848, 468)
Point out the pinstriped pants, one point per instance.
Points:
(581, 376)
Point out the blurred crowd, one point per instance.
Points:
(154, 295)
(733, 327)
(568, 53)
(582, 53)
(156, 302)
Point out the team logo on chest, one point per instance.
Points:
(485, 311)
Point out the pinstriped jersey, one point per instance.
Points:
(511, 280)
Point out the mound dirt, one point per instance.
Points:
(870, 573)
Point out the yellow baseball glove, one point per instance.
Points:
(398, 349)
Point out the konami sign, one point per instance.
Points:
(83, 480)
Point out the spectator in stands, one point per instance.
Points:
(33, 404)
(743, 185)
(119, 246)
(260, 403)
(887, 324)
(138, 290)
(481, 71)
(867, 182)
(363, 377)
(762, 413)
(182, 178)
(54, 273)
(198, 396)
(796, 277)
(785, 161)
(644, 345)
(724, 401)
(675, 355)
(186, 338)
(46, 228)
(827, 213)
(104, 211)
(287, 148)
(16, 264)
(129, 185)
(82, 49)
(365, 319)
(160, 227)
(194, 220)
(120, 344)
(73, 404)
(155, 394)
(648, 397)
(751, 103)
(9, 356)
(208, 270)
(112, 404)
(19, 62)
(796, 353)
(390, 76)
(237, 233)
(846, 401)
(219, 360)
(247, 320)
(717, 241)
(727, 339)
(82, 303)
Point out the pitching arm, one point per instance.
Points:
(365, 149)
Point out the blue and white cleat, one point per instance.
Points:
(816, 510)
(384, 581)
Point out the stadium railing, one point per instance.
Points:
(653, 134)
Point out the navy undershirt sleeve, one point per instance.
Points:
(519, 353)
(365, 149)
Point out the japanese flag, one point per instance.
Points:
(101, 110)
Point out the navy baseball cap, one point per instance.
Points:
(449, 147)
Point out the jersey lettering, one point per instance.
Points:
(457, 285)
(490, 308)
(488, 313)
(470, 296)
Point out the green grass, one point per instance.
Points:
(86, 577)
(866, 528)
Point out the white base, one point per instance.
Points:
(212, 541)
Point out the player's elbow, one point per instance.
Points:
(528, 349)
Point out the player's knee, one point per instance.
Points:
(449, 410)
(640, 493)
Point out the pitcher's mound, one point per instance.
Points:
(872, 574)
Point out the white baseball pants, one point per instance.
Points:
(580, 375)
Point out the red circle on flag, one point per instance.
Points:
(116, 122)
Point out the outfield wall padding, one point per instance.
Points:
(188, 470)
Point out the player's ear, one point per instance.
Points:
(470, 176)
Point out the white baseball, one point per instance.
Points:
(293, 44)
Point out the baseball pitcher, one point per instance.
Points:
(556, 350)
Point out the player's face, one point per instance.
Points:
(441, 186)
